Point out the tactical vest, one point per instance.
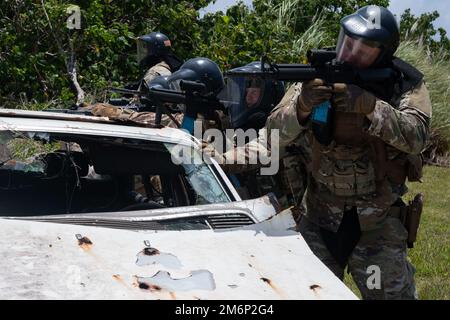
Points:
(355, 164)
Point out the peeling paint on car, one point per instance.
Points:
(151, 256)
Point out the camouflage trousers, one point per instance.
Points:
(384, 248)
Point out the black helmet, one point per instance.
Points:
(155, 44)
(159, 82)
(250, 100)
(374, 29)
(202, 70)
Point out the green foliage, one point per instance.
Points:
(283, 29)
(298, 14)
(32, 65)
(23, 148)
(412, 27)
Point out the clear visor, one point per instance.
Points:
(142, 50)
(241, 96)
(253, 92)
(357, 52)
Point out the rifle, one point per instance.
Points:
(191, 96)
(322, 65)
(142, 105)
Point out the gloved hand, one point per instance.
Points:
(351, 98)
(313, 93)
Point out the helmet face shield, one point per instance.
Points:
(242, 96)
(142, 51)
(254, 89)
(357, 52)
(153, 44)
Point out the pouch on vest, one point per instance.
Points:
(321, 119)
(346, 178)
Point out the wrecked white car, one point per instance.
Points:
(90, 209)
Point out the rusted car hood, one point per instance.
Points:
(267, 260)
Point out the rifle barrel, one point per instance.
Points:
(330, 74)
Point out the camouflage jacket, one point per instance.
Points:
(159, 69)
(288, 184)
(343, 175)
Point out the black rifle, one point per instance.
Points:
(129, 101)
(192, 96)
(322, 64)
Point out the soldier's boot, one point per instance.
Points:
(379, 264)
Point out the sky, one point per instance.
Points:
(396, 6)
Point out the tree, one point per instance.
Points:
(36, 50)
(421, 27)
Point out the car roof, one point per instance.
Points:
(25, 120)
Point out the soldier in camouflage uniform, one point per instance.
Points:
(252, 101)
(156, 57)
(289, 184)
(355, 183)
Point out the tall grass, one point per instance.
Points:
(287, 13)
(436, 69)
(315, 36)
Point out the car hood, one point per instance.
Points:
(266, 260)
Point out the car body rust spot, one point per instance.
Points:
(149, 286)
(315, 286)
(144, 286)
(270, 283)
(85, 243)
(173, 296)
(151, 251)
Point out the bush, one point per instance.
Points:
(35, 50)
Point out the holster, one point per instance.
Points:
(410, 217)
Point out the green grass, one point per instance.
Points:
(431, 253)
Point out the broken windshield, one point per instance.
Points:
(57, 173)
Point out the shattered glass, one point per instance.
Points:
(207, 188)
(22, 151)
